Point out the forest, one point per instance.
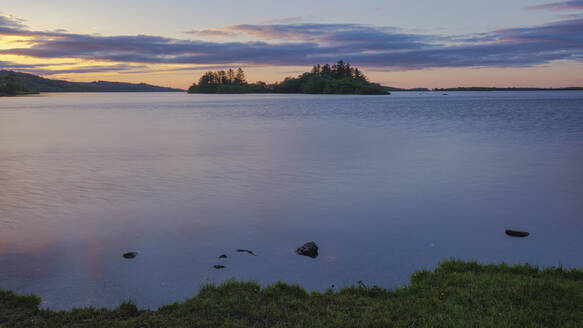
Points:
(12, 85)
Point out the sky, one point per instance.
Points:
(401, 43)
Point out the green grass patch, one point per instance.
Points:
(456, 294)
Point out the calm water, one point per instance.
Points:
(385, 186)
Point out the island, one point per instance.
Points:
(35, 84)
(340, 78)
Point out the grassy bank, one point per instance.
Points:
(456, 294)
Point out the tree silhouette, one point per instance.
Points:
(231, 76)
(326, 70)
(240, 76)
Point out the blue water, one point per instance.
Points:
(385, 185)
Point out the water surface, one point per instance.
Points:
(384, 184)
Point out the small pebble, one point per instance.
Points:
(130, 255)
(516, 233)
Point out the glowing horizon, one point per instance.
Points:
(539, 45)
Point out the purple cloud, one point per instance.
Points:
(211, 32)
(563, 5)
(308, 44)
(43, 70)
(370, 37)
(284, 20)
(91, 69)
(10, 22)
(10, 25)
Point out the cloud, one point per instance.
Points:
(43, 69)
(6, 65)
(563, 5)
(10, 25)
(11, 22)
(181, 69)
(211, 32)
(308, 44)
(327, 33)
(92, 69)
(284, 20)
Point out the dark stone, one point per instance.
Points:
(516, 233)
(246, 251)
(130, 255)
(218, 266)
(223, 256)
(308, 249)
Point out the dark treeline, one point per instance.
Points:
(229, 81)
(508, 89)
(340, 78)
(12, 85)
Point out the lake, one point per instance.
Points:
(385, 185)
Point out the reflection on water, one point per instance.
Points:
(384, 185)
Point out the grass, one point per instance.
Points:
(456, 294)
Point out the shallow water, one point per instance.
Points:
(384, 185)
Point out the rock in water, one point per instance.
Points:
(308, 249)
(130, 255)
(246, 251)
(515, 233)
(223, 256)
(218, 266)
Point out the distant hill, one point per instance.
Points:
(400, 89)
(41, 84)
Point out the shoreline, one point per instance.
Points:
(18, 94)
(291, 93)
(456, 293)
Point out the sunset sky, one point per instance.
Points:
(400, 43)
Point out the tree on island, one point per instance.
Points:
(240, 77)
(340, 78)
